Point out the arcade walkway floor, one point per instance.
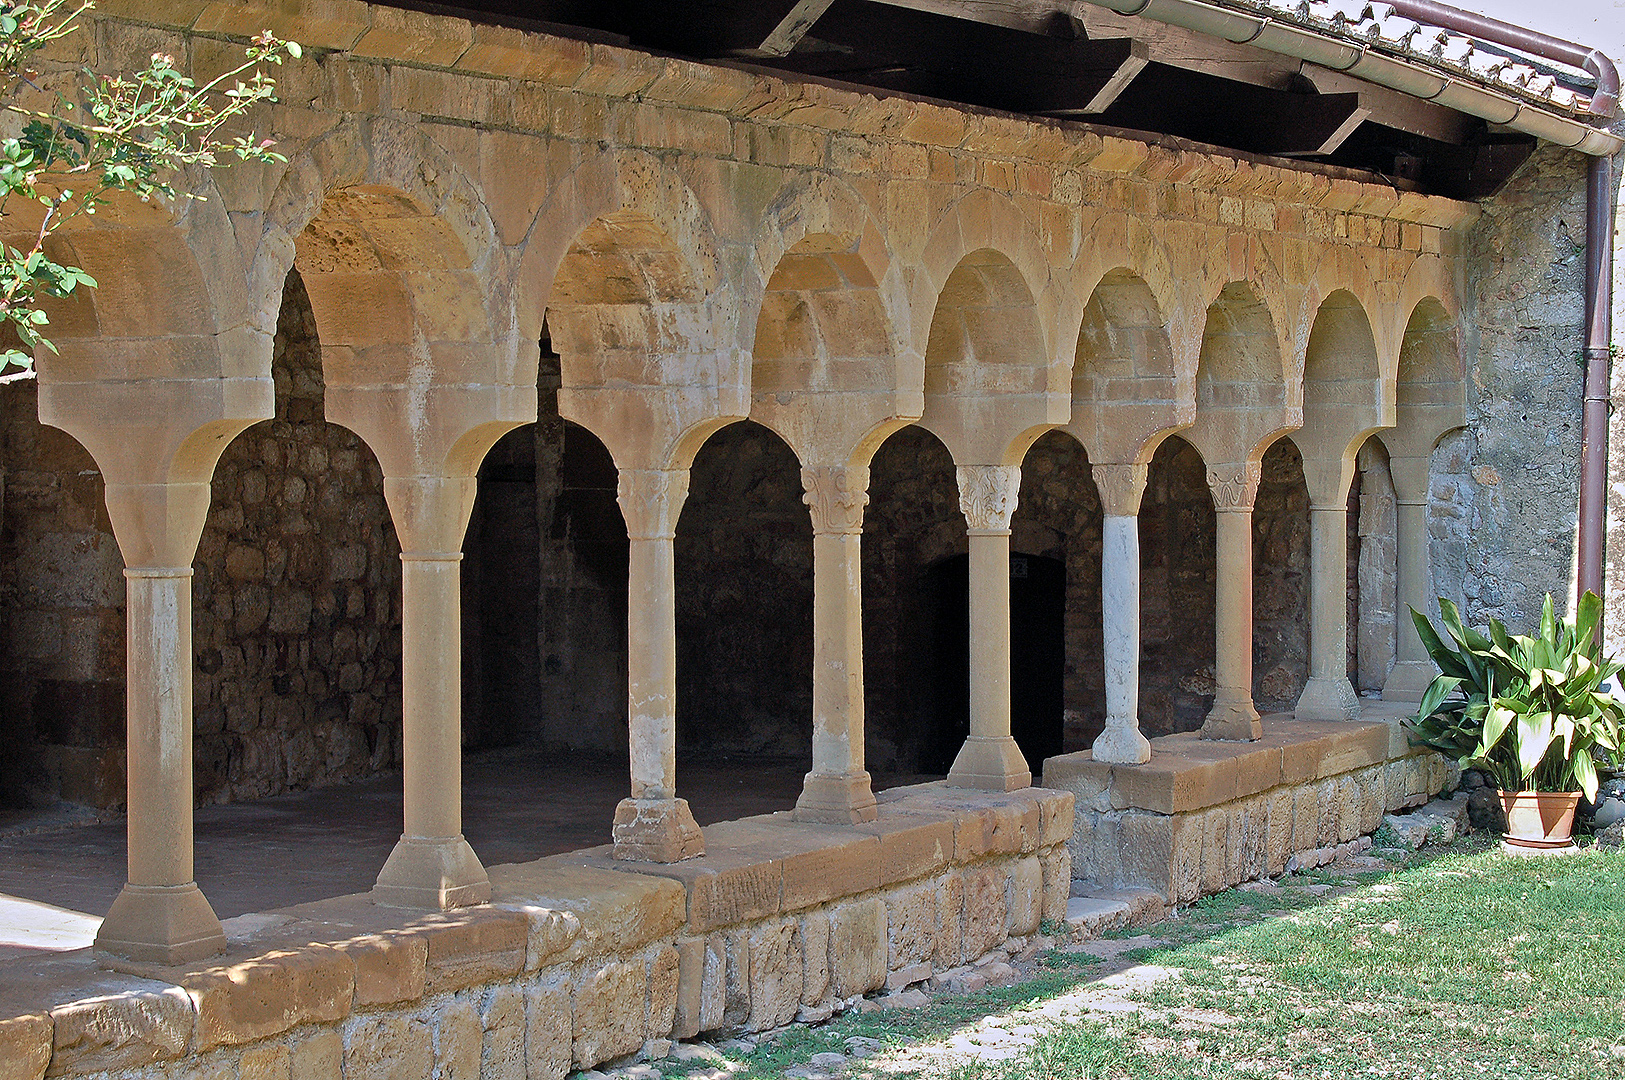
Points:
(271, 853)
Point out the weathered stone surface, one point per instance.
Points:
(1026, 896)
(608, 1011)
(549, 1031)
(388, 967)
(472, 946)
(268, 995)
(813, 940)
(1057, 869)
(1280, 805)
(664, 978)
(389, 1047)
(857, 947)
(985, 912)
(776, 979)
(686, 1008)
(911, 922)
(950, 920)
(616, 912)
(502, 1051)
(25, 1046)
(736, 982)
(317, 1057)
(269, 1061)
(551, 932)
(121, 1031)
(913, 843)
(458, 1041)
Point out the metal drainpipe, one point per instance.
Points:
(1593, 509)
(1599, 329)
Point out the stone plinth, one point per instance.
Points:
(1202, 816)
(579, 958)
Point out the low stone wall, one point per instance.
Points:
(578, 960)
(1203, 816)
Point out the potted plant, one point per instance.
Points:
(1530, 712)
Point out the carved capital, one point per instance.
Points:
(987, 496)
(836, 495)
(1234, 485)
(651, 500)
(1120, 487)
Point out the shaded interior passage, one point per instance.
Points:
(744, 601)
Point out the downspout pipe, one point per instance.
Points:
(1599, 330)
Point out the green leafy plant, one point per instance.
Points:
(130, 133)
(1529, 711)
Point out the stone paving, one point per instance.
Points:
(292, 849)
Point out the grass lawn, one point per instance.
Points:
(1469, 964)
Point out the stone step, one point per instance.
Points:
(1094, 910)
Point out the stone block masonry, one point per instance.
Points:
(1202, 817)
(578, 960)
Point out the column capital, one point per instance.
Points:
(651, 501)
(1234, 485)
(836, 495)
(1120, 486)
(987, 496)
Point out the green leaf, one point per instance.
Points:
(1585, 772)
(1496, 723)
(1534, 736)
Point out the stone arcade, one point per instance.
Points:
(1184, 365)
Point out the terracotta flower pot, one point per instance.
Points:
(1539, 819)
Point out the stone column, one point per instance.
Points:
(1413, 670)
(837, 790)
(1328, 695)
(1121, 487)
(1234, 487)
(160, 916)
(654, 825)
(990, 758)
(432, 866)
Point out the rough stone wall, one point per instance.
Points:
(1280, 580)
(296, 596)
(1503, 497)
(1176, 592)
(1374, 638)
(61, 619)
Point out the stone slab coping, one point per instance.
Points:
(1187, 772)
(318, 962)
(769, 864)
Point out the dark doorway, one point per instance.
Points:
(1037, 657)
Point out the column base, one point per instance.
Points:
(656, 831)
(161, 924)
(432, 873)
(1328, 699)
(1233, 721)
(1122, 743)
(1409, 680)
(836, 799)
(990, 763)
